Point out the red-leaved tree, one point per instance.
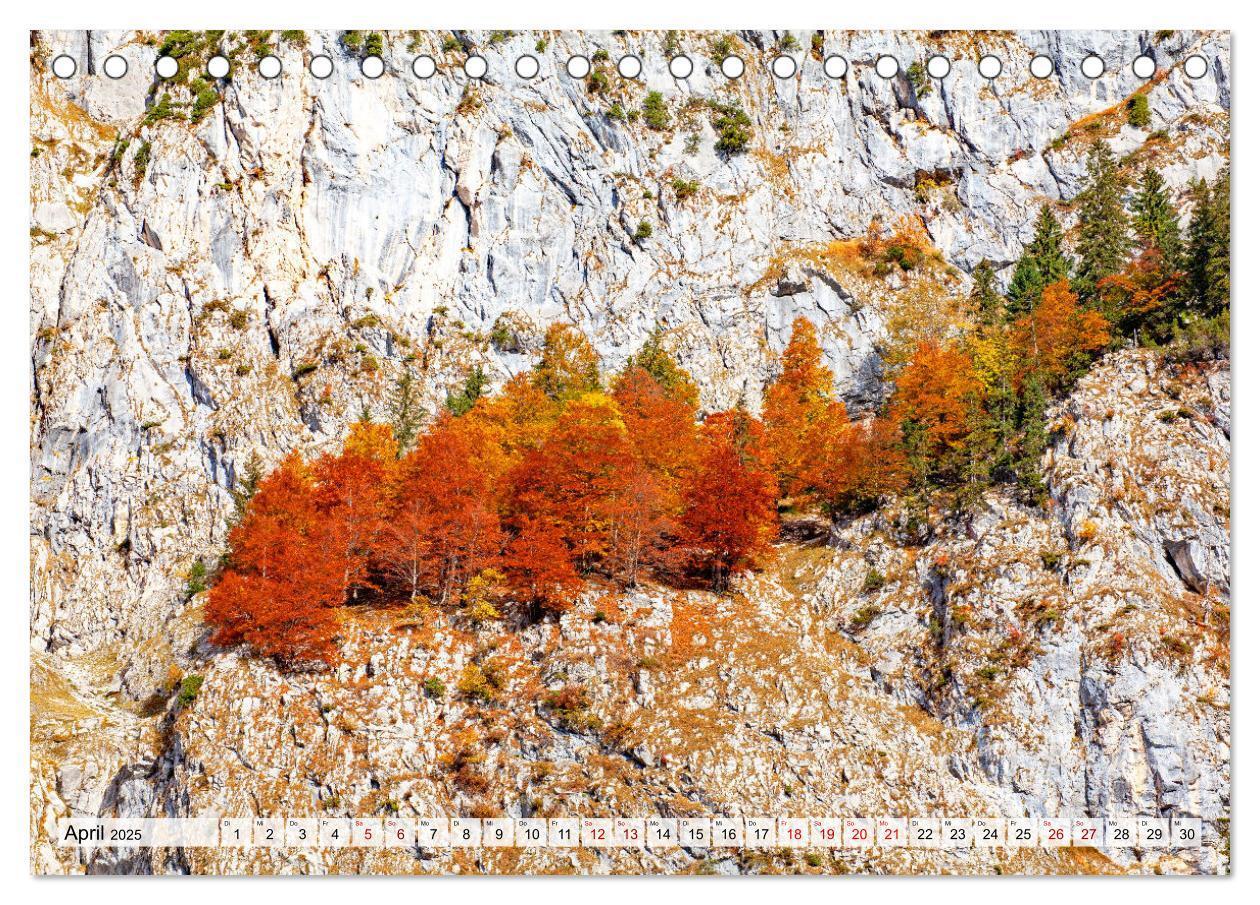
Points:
(279, 590)
(539, 568)
(441, 526)
(730, 517)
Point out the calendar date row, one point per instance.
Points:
(633, 832)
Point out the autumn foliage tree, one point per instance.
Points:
(569, 365)
(279, 591)
(794, 401)
(661, 426)
(1060, 336)
(1134, 299)
(854, 464)
(349, 496)
(935, 397)
(730, 517)
(441, 525)
(657, 402)
(539, 567)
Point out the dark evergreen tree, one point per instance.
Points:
(986, 300)
(977, 454)
(1003, 405)
(1032, 443)
(1106, 238)
(404, 411)
(1208, 252)
(1042, 263)
(1155, 219)
(475, 385)
(655, 358)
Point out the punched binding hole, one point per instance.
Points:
(783, 66)
(269, 66)
(680, 67)
(372, 66)
(578, 67)
(938, 66)
(990, 66)
(321, 66)
(166, 67)
(629, 66)
(476, 67)
(1041, 66)
(835, 66)
(1143, 66)
(423, 66)
(886, 67)
(527, 66)
(64, 66)
(217, 67)
(115, 67)
(732, 67)
(1093, 66)
(1196, 67)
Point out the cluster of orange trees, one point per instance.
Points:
(557, 478)
(512, 502)
(514, 499)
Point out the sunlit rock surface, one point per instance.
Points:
(248, 283)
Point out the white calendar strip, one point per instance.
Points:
(652, 833)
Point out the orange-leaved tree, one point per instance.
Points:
(442, 524)
(1147, 285)
(539, 568)
(660, 423)
(853, 464)
(798, 397)
(660, 420)
(730, 519)
(350, 499)
(513, 421)
(1059, 337)
(569, 365)
(278, 590)
(576, 479)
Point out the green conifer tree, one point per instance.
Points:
(1003, 405)
(404, 411)
(986, 301)
(977, 456)
(1106, 238)
(1155, 218)
(244, 487)
(1032, 416)
(1139, 107)
(656, 359)
(475, 384)
(1042, 263)
(1208, 252)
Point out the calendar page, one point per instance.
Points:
(630, 452)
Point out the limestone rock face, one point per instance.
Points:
(241, 281)
(1092, 668)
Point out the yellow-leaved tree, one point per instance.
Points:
(800, 396)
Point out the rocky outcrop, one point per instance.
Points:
(245, 284)
(1093, 674)
(1017, 663)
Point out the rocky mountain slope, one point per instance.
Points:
(247, 283)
